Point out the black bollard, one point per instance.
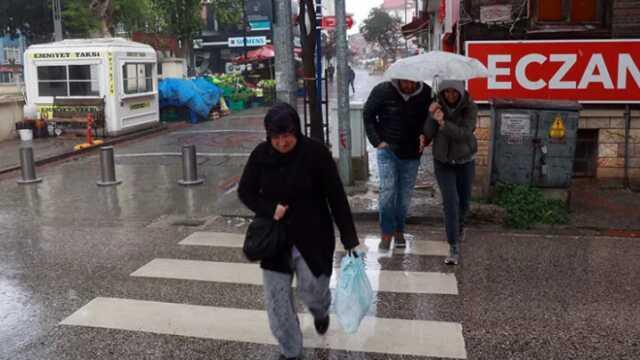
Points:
(27, 167)
(107, 168)
(189, 167)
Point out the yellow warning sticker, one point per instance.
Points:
(557, 130)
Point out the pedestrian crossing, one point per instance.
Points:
(439, 339)
(238, 273)
(217, 239)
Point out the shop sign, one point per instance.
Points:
(589, 71)
(65, 55)
(251, 41)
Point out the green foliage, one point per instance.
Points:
(527, 206)
(77, 19)
(382, 29)
(227, 12)
(181, 17)
(33, 19)
(138, 15)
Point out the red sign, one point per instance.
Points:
(329, 22)
(589, 71)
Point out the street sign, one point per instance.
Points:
(588, 71)
(251, 41)
(329, 22)
(260, 25)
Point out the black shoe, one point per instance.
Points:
(282, 357)
(321, 325)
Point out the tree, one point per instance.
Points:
(307, 20)
(227, 12)
(33, 19)
(138, 15)
(77, 19)
(384, 30)
(181, 19)
(329, 45)
(103, 9)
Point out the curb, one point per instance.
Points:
(112, 141)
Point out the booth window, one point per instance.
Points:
(68, 80)
(138, 78)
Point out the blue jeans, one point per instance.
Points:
(397, 179)
(455, 182)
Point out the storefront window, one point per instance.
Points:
(68, 80)
(570, 11)
(138, 78)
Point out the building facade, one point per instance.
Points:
(608, 144)
(219, 44)
(11, 53)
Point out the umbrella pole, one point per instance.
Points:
(434, 89)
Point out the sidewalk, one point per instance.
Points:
(55, 148)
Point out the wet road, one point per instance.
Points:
(148, 270)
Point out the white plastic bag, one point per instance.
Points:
(353, 292)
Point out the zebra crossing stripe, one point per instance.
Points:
(241, 273)
(376, 335)
(233, 240)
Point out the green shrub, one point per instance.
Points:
(526, 206)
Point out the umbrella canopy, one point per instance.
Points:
(435, 65)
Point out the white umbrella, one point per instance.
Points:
(435, 65)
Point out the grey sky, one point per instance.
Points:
(360, 9)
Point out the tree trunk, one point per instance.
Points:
(104, 11)
(308, 35)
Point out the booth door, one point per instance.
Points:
(139, 102)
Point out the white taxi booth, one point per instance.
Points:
(74, 75)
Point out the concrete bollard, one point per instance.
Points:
(189, 166)
(107, 168)
(27, 167)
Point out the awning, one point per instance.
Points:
(264, 53)
(415, 27)
(11, 68)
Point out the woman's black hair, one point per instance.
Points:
(280, 119)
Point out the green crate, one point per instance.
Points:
(236, 105)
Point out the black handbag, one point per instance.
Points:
(265, 238)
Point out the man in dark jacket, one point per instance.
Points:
(394, 116)
(294, 180)
(451, 123)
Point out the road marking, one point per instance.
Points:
(377, 335)
(414, 247)
(170, 154)
(241, 273)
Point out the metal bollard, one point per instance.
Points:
(107, 167)
(189, 167)
(27, 167)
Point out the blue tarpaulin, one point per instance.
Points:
(199, 95)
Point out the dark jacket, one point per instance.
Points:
(307, 180)
(390, 118)
(455, 141)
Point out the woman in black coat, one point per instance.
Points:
(294, 179)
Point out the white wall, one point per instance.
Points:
(10, 113)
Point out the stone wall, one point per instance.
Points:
(611, 140)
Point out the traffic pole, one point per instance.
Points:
(283, 43)
(344, 122)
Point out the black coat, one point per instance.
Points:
(389, 118)
(307, 180)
